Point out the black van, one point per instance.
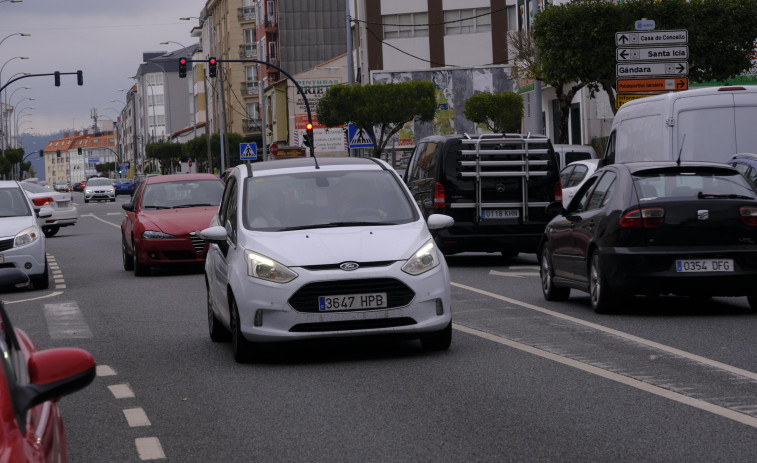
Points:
(496, 187)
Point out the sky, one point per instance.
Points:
(104, 39)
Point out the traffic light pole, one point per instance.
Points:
(297, 84)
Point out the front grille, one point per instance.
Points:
(352, 325)
(384, 263)
(398, 294)
(197, 242)
(6, 244)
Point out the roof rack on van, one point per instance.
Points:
(507, 155)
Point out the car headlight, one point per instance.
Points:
(424, 259)
(267, 269)
(26, 236)
(88, 191)
(111, 190)
(155, 235)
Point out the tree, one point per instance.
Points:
(164, 152)
(576, 41)
(13, 156)
(380, 110)
(498, 112)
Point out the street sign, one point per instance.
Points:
(680, 52)
(358, 138)
(652, 85)
(274, 149)
(644, 25)
(622, 98)
(248, 151)
(680, 68)
(651, 37)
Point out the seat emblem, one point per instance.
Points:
(703, 214)
(349, 266)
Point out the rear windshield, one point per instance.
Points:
(317, 199)
(655, 184)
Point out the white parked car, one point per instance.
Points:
(65, 213)
(22, 243)
(337, 249)
(99, 189)
(574, 175)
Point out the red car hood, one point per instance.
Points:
(178, 221)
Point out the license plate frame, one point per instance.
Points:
(500, 214)
(704, 265)
(339, 302)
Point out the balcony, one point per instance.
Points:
(271, 26)
(252, 125)
(250, 87)
(246, 13)
(248, 50)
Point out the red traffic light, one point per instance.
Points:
(211, 67)
(212, 61)
(309, 126)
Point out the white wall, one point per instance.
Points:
(394, 59)
(468, 49)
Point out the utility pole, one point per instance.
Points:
(537, 82)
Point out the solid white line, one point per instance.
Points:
(630, 337)
(136, 417)
(56, 293)
(121, 391)
(149, 448)
(104, 370)
(700, 404)
(101, 220)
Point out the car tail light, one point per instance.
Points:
(439, 201)
(749, 215)
(643, 218)
(558, 192)
(42, 201)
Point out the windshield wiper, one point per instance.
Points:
(702, 195)
(157, 207)
(334, 225)
(192, 205)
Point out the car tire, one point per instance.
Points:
(86, 201)
(50, 231)
(42, 281)
(547, 273)
(140, 269)
(603, 299)
(439, 340)
(242, 349)
(127, 259)
(218, 332)
(113, 200)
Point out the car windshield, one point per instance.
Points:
(13, 203)
(99, 182)
(322, 199)
(185, 193)
(34, 188)
(692, 183)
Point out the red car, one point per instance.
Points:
(31, 426)
(162, 218)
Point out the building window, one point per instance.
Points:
(405, 25)
(252, 111)
(154, 78)
(467, 21)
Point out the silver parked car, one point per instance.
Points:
(99, 189)
(22, 243)
(65, 213)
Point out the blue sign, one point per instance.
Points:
(93, 160)
(358, 138)
(248, 151)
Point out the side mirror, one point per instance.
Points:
(217, 233)
(44, 212)
(128, 207)
(555, 209)
(439, 221)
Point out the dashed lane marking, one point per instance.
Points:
(121, 391)
(136, 417)
(149, 448)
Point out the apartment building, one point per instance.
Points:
(72, 158)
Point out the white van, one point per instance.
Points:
(705, 124)
(570, 153)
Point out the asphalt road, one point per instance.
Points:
(525, 380)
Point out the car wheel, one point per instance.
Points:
(548, 288)
(603, 298)
(439, 340)
(50, 231)
(86, 201)
(113, 200)
(240, 347)
(140, 269)
(42, 281)
(128, 263)
(218, 332)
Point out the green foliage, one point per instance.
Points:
(8, 162)
(498, 112)
(379, 109)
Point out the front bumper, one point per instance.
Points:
(30, 258)
(171, 251)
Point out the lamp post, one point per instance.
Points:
(22, 34)
(3, 123)
(18, 115)
(12, 1)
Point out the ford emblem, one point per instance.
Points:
(703, 214)
(349, 266)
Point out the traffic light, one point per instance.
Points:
(79, 78)
(182, 67)
(57, 78)
(42, 153)
(78, 150)
(308, 139)
(211, 67)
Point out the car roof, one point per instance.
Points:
(647, 165)
(179, 178)
(9, 184)
(586, 162)
(303, 164)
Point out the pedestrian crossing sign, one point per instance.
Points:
(248, 151)
(358, 137)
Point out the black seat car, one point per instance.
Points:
(496, 187)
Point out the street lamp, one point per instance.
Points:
(12, 1)
(22, 34)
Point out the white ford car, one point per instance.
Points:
(337, 248)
